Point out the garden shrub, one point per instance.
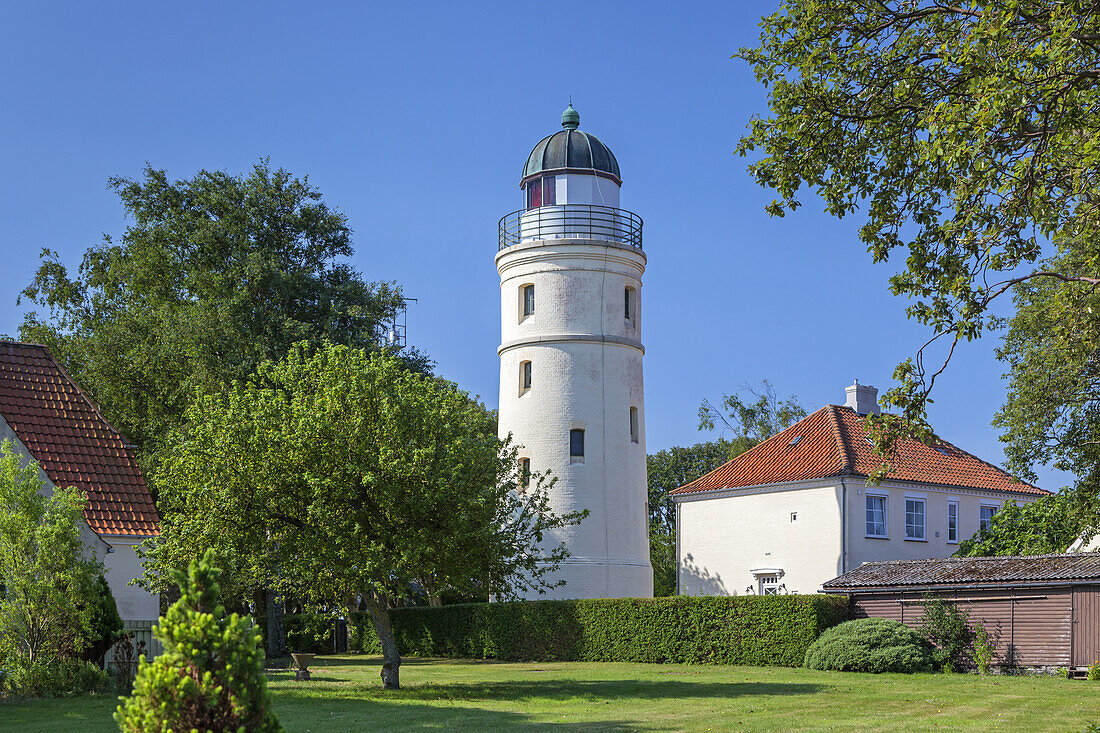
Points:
(309, 632)
(756, 630)
(210, 675)
(59, 677)
(870, 645)
(947, 627)
(106, 624)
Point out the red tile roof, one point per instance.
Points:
(833, 442)
(73, 442)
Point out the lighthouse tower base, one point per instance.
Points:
(590, 577)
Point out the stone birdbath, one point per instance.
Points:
(302, 660)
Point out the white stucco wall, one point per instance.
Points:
(123, 565)
(586, 373)
(117, 554)
(723, 536)
(722, 540)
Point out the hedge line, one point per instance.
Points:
(753, 630)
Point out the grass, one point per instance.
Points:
(345, 695)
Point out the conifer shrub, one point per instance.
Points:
(210, 676)
(870, 645)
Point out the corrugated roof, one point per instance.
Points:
(970, 570)
(833, 442)
(73, 442)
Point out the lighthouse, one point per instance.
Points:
(571, 264)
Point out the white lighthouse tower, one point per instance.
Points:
(571, 265)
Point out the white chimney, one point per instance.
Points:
(862, 398)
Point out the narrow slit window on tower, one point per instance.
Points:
(576, 443)
(528, 300)
(629, 303)
(524, 473)
(524, 377)
(634, 424)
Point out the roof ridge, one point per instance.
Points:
(744, 456)
(994, 466)
(841, 444)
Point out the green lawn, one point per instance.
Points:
(345, 695)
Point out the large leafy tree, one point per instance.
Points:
(1048, 525)
(48, 583)
(965, 137)
(750, 416)
(363, 480)
(214, 275)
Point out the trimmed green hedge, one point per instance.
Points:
(754, 630)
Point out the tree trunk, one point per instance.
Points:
(391, 660)
(276, 631)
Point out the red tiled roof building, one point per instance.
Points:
(48, 417)
(796, 510)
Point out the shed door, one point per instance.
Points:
(1086, 625)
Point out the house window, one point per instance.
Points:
(769, 585)
(952, 521)
(542, 192)
(524, 473)
(524, 377)
(576, 443)
(629, 303)
(914, 519)
(528, 300)
(633, 424)
(876, 516)
(986, 516)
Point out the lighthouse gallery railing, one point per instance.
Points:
(571, 221)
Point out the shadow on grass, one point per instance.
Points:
(552, 689)
(322, 715)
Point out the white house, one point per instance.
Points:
(571, 265)
(797, 510)
(49, 419)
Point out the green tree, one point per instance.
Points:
(47, 602)
(964, 136)
(1048, 525)
(213, 276)
(210, 676)
(364, 480)
(750, 417)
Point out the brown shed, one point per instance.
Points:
(1043, 610)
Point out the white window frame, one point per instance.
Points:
(768, 584)
(525, 368)
(523, 313)
(885, 516)
(630, 303)
(911, 529)
(953, 530)
(634, 425)
(996, 509)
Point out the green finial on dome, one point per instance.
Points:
(570, 118)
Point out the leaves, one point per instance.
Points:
(355, 476)
(964, 136)
(49, 595)
(214, 276)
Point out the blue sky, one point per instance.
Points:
(415, 120)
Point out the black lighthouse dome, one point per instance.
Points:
(569, 149)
